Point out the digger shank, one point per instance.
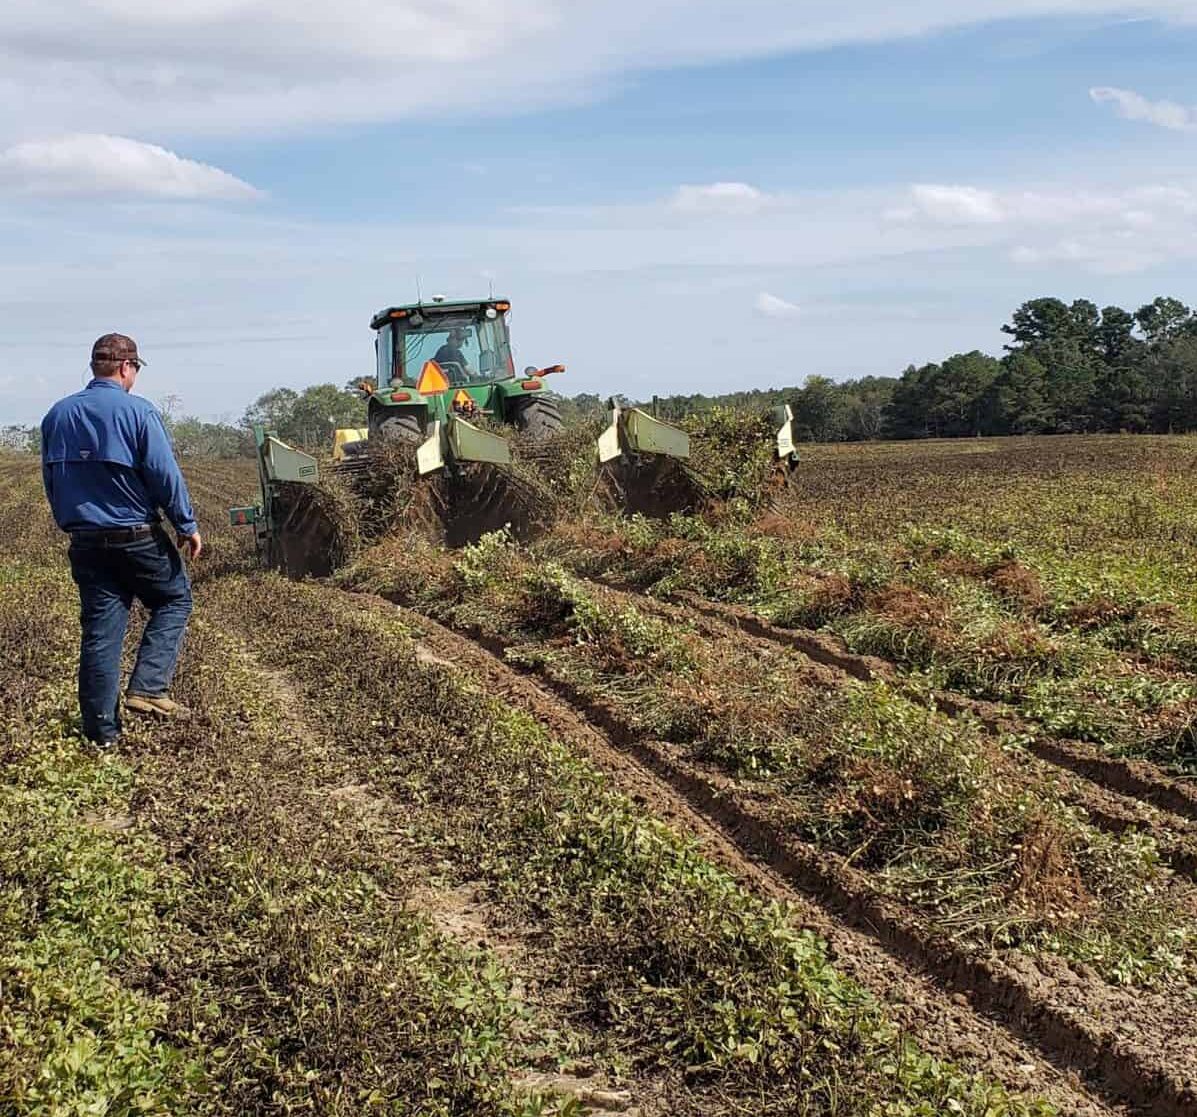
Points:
(633, 431)
(455, 440)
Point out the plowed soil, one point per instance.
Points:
(948, 1024)
(1139, 1050)
(280, 765)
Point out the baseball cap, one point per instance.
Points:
(116, 347)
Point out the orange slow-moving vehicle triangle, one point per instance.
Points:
(433, 381)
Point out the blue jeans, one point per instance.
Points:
(109, 577)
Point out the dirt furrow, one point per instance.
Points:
(983, 1020)
(1117, 1041)
(1121, 785)
(1139, 779)
(1110, 810)
(372, 822)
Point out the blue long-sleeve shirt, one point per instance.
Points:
(107, 462)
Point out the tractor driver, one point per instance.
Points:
(451, 358)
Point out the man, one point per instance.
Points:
(108, 467)
(451, 358)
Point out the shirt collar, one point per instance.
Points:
(98, 383)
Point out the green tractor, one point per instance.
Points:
(442, 364)
(445, 377)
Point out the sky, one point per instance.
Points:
(687, 196)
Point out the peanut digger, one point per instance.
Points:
(445, 379)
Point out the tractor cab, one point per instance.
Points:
(469, 341)
(441, 360)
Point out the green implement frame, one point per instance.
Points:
(632, 431)
(277, 463)
(454, 439)
(786, 447)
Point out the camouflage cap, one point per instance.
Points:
(115, 347)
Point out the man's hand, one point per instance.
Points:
(191, 545)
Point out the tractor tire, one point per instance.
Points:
(400, 427)
(539, 418)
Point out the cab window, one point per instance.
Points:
(383, 345)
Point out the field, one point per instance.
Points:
(876, 797)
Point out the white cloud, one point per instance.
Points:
(1141, 207)
(1116, 230)
(1099, 256)
(953, 205)
(192, 278)
(1134, 106)
(92, 164)
(228, 66)
(719, 197)
(773, 307)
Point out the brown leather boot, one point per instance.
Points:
(157, 704)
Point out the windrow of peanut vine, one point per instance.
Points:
(665, 957)
(1025, 587)
(942, 815)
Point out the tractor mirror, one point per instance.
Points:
(433, 381)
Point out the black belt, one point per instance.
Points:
(106, 537)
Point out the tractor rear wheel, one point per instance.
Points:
(539, 418)
(400, 426)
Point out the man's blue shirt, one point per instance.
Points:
(107, 462)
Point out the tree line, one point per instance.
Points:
(303, 418)
(1067, 368)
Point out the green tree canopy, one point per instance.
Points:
(1068, 367)
(307, 418)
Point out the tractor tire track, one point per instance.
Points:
(314, 779)
(1108, 809)
(1139, 779)
(983, 1013)
(1128, 779)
